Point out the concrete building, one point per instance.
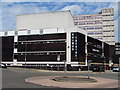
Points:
(50, 39)
(117, 51)
(59, 20)
(99, 26)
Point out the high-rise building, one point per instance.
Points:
(99, 26)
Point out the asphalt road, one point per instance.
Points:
(15, 77)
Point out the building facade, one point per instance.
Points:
(51, 39)
(99, 26)
(117, 52)
(30, 48)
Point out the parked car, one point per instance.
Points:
(116, 69)
(2, 65)
(97, 68)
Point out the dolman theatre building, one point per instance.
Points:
(50, 39)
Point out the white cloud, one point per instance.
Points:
(0, 16)
(75, 9)
(115, 6)
(60, 0)
(91, 8)
(9, 13)
(10, 10)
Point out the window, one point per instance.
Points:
(107, 20)
(108, 25)
(98, 17)
(81, 23)
(117, 45)
(117, 48)
(109, 36)
(72, 42)
(90, 33)
(76, 37)
(75, 52)
(81, 18)
(16, 32)
(41, 31)
(75, 43)
(28, 42)
(75, 18)
(98, 32)
(90, 28)
(110, 41)
(117, 52)
(98, 22)
(75, 49)
(84, 28)
(76, 55)
(108, 31)
(72, 49)
(29, 31)
(72, 37)
(76, 23)
(72, 46)
(75, 40)
(98, 27)
(5, 33)
(72, 34)
(106, 15)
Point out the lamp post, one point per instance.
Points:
(58, 59)
(89, 64)
(65, 68)
(103, 59)
(110, 64)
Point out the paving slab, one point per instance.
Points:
(48, 81)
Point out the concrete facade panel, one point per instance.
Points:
(1, 33)
(11, 33)
(22, 32)
(45, 20)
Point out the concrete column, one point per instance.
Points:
(68, 48)
(15, 51)
(86, 52)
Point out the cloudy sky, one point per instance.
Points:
(11, 9)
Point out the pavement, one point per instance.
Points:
(40, 70)
(48, 81)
